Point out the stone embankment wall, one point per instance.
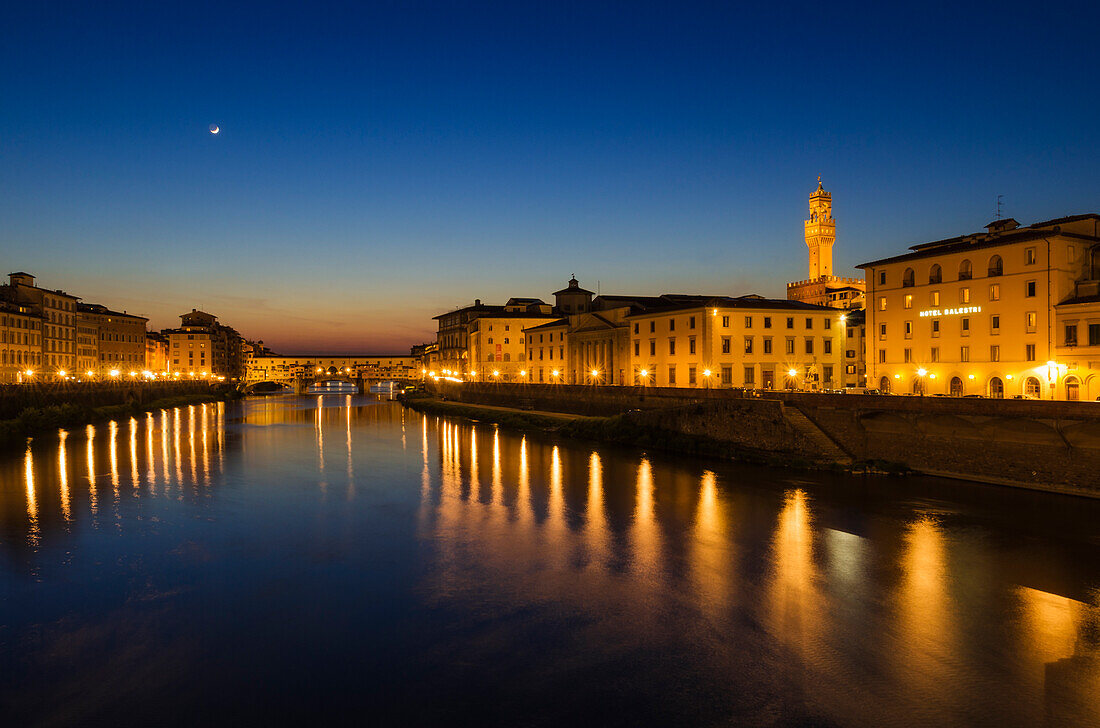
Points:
(1037, 444)
(18, 397)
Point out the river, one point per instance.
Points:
(338, 559)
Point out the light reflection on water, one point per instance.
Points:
(564, 575)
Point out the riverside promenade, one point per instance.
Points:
(1042, 445)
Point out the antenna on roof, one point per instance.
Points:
(597, 287)
(999, 205)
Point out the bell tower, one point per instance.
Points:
(820, 233)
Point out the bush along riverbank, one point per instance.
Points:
(624, 430)
(38, 420)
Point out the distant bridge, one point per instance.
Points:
(301, 372)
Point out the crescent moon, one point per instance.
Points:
(214, 128)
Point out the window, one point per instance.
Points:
(882, 278)
(935, 274)
(995, 325)
(907, 355)
(637, 348)
(996, 266)
(748, 344)
(964, 295)
(767, 346)
(882, 356)
(725, 345)
(672, 347)
(1029, 352)
(790, 322)
(908, 278)
(767, 322)
(828, 324)
(725, 322)
(750, 376)
(671, 376)
(1029, 256)
(727, 375)
(850, 369)
(653, 347)
(790, 345)
(908, 300)
(828, 346)
(691, 322)
(934, 298)
(809, 323)
(635, 327)
(809, 345)
(691, 345)
(964, 353)
(1031, 387)
(909, 329)
(881, 331)
(652, 326)
(1030, 320)
(966, 326)
(994, 291)
(966, 271)
(748, 322)
(881, 303)
(691, 375)
(935, 328)
(934, 355)
(994, 353)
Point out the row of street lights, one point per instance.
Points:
(116, 374)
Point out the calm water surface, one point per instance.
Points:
(337, 559)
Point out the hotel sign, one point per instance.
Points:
(937, 312)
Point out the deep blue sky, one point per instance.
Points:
(383, 162)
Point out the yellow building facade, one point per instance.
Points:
(119, 341)
(748, 342)
(1011, 312)
(20, 343)
(496, 346)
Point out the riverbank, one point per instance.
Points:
(637, 429)
(34, 421)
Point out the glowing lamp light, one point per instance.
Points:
(89, 373)
(595, 373)
(134, 374)
(922, 372)
(792, 372)
(523, 372)
(931, 376)
(496, 373)
(1008, 376)
(971, 376)
(706, 372)
(843, 318)
(61, 373)
(643, 373)
(319, 370)
(554, 373)
(714, 312)
(114, 372)
(897, 376)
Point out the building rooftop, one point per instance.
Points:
(999, 232)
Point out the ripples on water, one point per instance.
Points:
(338, 557)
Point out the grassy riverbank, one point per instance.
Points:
(618, 429)
(37, 420)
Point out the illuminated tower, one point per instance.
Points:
(820, 233)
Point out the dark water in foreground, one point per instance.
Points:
(336, 559)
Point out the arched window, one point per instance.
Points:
(966, 271)
(956, 387)
(996, 388)
(908, 278)
(996, 266)
(884, 385)
(935, 275)
(1073, 389)
(1031, 388)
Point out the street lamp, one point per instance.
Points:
(921, 373)
(706, 377)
